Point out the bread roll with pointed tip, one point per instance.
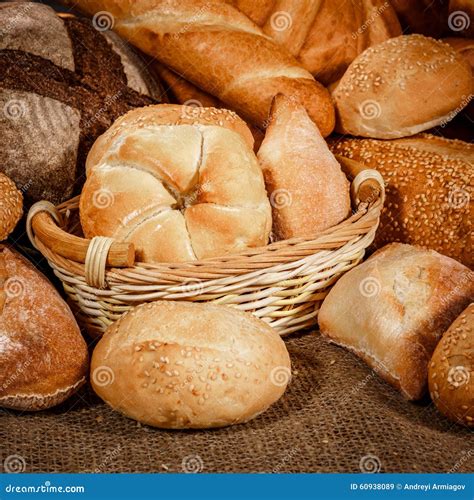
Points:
(11, 206)
(216, 47)
(307, 188)
(392, 310)
(451, 371)
(401, 87)
(43, 356)
(429, 193)
(183, 365)
(181, 183)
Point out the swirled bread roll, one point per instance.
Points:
(181, 183)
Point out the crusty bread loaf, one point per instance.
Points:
(62, 84)
(307, 188)
(43, 356)
(11, 206)
(451, 371)
(182, 183)
(324, 35)
(216, 47)
(429, 190)
(401, 87)
(392, 310)
(186, 365)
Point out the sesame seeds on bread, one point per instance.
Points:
(429, 190)
(401, 87)
(451, 371)
(11, 206)
(183, 365)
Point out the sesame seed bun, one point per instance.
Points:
(401, 87)
(11, 206)
(451, 371)
(180, 365)
(429, 192)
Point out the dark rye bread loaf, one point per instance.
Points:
(429, 190)
(62, 84)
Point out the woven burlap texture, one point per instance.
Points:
(336, 416)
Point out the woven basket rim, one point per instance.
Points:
(364, 217)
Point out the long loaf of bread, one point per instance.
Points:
(216, 47)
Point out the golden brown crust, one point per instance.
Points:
(451, 371)
(11, 206)
(324, 35)
(181, 183)
(183, 365)
(401, 87)
(307, 188)
(216, 47)
(392, 310)
(43, 356)
(186, 93)
(429, 190)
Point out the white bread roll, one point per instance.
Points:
(451, 372)
(181, 365)
(401, 87)
(307, 188)
(181, 183)
(392, 310)
(43, 357)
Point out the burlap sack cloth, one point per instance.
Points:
(336, 416)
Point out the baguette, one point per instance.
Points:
(216, 47)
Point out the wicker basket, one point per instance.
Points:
(283, 283)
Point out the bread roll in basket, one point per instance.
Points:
(282, 283)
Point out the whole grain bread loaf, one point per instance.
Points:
(62, 83)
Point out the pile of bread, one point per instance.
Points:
(245, 155)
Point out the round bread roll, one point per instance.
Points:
(181, 183)
(11, 206)
(62, 84)
(401, 87)
(43, 356)
(451, 371)
(179, 365)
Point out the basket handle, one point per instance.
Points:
(367, 183)
(42, 224)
